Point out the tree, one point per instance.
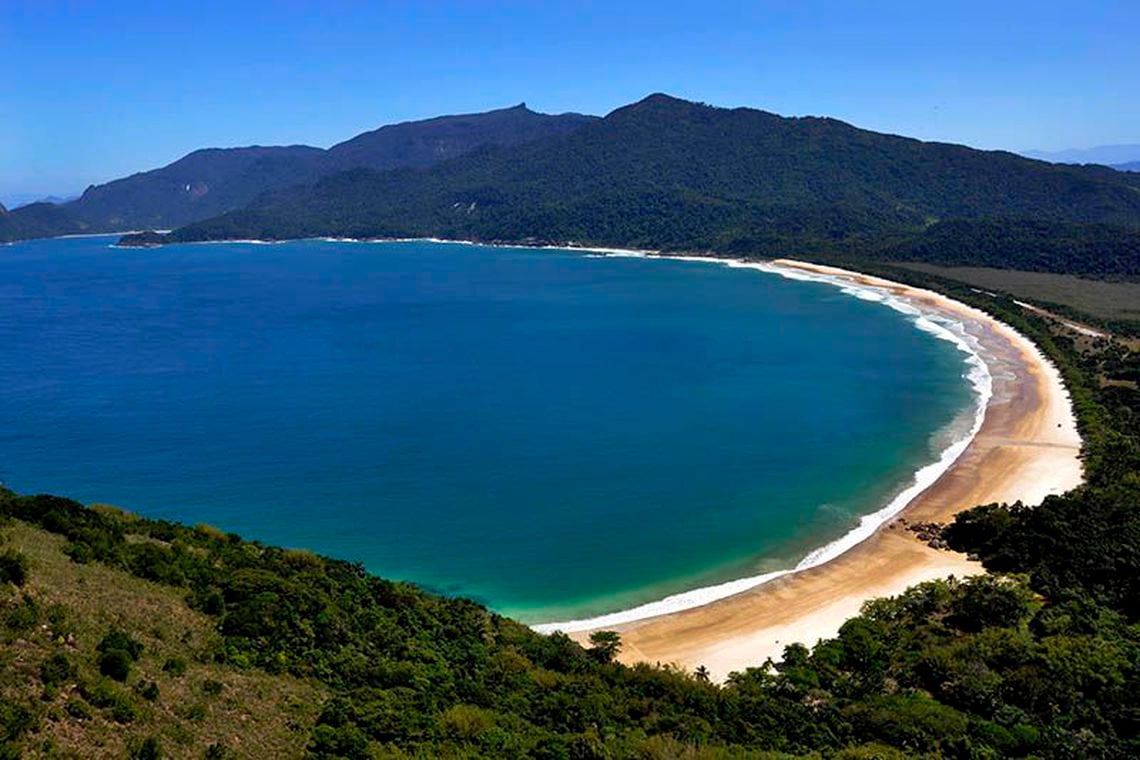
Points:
(605, 645)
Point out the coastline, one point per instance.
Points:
(1025, 447)
(1022, 446)
(941, 326)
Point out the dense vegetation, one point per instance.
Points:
(669, 174)
(209, 182)
(1043, 662)
(1089, 250)
(147, 637)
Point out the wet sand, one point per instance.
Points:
(1026, 448)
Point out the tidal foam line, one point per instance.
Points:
(927, 320)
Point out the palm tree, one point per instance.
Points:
(702, 674)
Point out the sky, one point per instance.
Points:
(97, 90)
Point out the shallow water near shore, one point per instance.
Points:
(557, 435)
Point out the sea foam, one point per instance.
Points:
(934, 323)
(938, 325)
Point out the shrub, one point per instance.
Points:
(106, 696)
(195, 712)
(118, 640)
(175, 666)
(217, 751)
(148, 690)
(123, 711)
(56, 670)
(78, 709)
(79, 552)
(343, 741)
(148, 749)
(58, 619)
(102, 695)
(13, 568)
(15, 720)
(23, 616)
(115, 663)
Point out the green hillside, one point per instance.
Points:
(669, 174)
(212, 181)
(37, 220)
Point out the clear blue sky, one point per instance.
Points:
(95, 90)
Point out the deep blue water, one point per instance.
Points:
(551, 433)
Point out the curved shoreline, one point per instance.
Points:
(1026, 447)
(736, 624)
(926, 320)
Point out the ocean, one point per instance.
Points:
(557, 435)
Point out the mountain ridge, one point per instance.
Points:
(665, 173)
(210, 181)
(1104, 155)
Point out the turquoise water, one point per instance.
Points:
(554, 434)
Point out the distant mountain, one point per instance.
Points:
(16, 200)
(57, 199)
(204, 183)
(670, 174)
(209, 182)
(1107, 155)
(37, 220)
(1133, 166)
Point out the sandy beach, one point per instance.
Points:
(1026, 448)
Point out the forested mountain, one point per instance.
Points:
(1131, 166)
(203, 183)
(212, 181)
(37, 220)
(1089, 250)
(423, 143)
(671, 174)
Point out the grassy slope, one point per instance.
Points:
(1107, 300)
(254, 714)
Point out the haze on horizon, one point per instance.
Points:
(99, 91)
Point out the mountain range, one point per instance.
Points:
(661, 173)
(212, 181)
(1107, 155)
(669, 174)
